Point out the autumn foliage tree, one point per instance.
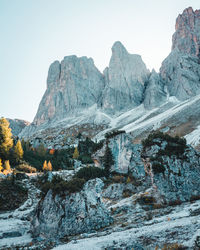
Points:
(76, 153)
(18, 150)
(1, 168)
(49, 166)
(7, 168)
(45, 166)
(6, 141)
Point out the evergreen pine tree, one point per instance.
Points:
(27, 146)
(18, 150)
(41, 150)
(107, 160)
(49, 166)
(6, 141)
(76, 153)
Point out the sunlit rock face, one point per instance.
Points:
(187, 35)
(73, 85)
(181, 69)
(125, 78)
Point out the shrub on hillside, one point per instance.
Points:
(85, 159)
(175, 145)
(26, 168)
(59, 186)
(88, 173)
(158, 168)
(150, 140)
(114, 133)
(88, 147)
(12, 194)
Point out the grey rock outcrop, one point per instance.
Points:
(120, 190)
(176, 175)
(58, 216)
(126, 156)
(125, 79)
(155, 93)
(73, 85)
(168, 165)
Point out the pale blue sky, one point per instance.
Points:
(34, 33)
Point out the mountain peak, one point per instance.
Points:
(118, 48)
(188, 10)
(187, 36)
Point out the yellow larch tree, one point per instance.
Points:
(49, 166)
(45, 167)
(18, 150)
(76, 153)
(6, 141)
(1, 168)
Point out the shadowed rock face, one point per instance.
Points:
(125, 80)
(187, 35)
(181, 73)
(155, 93)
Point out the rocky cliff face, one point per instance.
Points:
(76, 84)
(125, 79)
(73, 85)
(181, 69)
(78, 95)
(155, 93)
(187, 35)
(126, 155)
(181, 73)
(59, 216)
(173, 167)
(164, 163)
(17, 125)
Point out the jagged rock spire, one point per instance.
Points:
(187, 35)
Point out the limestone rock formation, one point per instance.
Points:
(126, 156)
(155, 93)
(181, 72)
(187, 35)
(79, 95)
(59, 216)
(17, 125)
(181, 69)
(174, 169)
(73, 85)
(125, 79)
